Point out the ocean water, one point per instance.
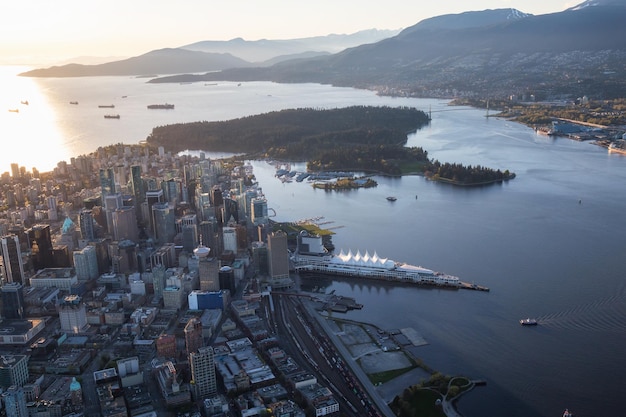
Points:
(550, 244)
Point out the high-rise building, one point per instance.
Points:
(12, 301)
(125, 224)
(278, 252)
(138, 190)
(166, 346)
(152, 198)
(208, 274)
(260, 257)
(85, 222)
(158, 280)
(193, 335)
(172, 190)
(202, 364)
(86, 263)
(107, 182)
(52, 208)
(40, 242)
(15, 171)
(229, 237)
(259, 213)
(72, 314)
(190, 237)
(164, 223)
(111, 203)
(227, 279)
(15, 402)
(12, 265)
(13, 370)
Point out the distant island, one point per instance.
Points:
(358, 138)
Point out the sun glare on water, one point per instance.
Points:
(31, 138)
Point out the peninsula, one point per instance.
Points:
(358, 138)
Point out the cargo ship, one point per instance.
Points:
(165, 106)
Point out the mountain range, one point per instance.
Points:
(497, 53)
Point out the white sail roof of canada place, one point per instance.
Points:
(359, 260)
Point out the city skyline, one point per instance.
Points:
(42, 33)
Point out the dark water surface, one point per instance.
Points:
(550, 244)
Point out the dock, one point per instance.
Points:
(475, 287)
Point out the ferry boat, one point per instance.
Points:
(165, 106)
(311, 257)
(528, 322)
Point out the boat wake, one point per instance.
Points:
(605, 315)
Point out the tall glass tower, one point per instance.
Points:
(12, 301)
(107, 182)
(12, 265)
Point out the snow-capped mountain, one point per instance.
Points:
(592, 3)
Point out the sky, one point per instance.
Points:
(47, 31)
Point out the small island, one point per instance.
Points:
(359, 138)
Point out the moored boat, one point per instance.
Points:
(391, 198)
(528, 322)
(106, 106)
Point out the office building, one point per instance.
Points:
(72, 314)
(125, 224)
(226, 278)
(138, 190)
(111, 202)
(190, 237)
(259, 213)
(40, 242)
(166, 346)
(164, 223)
(260, 258)
(13, 370)
(152, 197)
(86, 263)
(193, 335)
(85, 222)
(278, 253)
(15, 402)
(12, 301)
(107, 182)
(202, 364)
(229, 237)
(173, 297)
(208, 272)
(158, 280)
(53, 214)
(12, 265)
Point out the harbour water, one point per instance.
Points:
(550, 244)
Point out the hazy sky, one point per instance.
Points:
(38, 31)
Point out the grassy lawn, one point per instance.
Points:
(382, 377)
